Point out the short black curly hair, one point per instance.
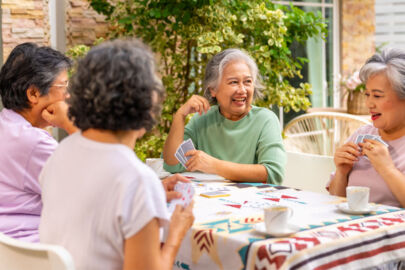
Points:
(114, 88)
(28, 64)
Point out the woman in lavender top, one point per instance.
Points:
(33, 84)
(371, 163)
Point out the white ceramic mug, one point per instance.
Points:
(156, 164)
(276, 218)
(357, 197)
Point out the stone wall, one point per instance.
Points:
(28, 21)
(24, 21)
(357, 34)
(83, 24)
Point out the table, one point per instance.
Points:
(223, 237)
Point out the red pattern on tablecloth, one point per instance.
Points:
(273, 253)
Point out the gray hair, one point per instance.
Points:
(391, 62)
(215, 67)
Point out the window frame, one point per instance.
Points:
(335, 5)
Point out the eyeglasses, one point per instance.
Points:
(61, 85)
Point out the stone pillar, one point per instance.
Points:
(24, 21)
(84, 25)
(357, 34)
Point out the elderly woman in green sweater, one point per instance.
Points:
(233, 138)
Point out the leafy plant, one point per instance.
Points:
(186, 34)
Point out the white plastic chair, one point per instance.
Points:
(19, 255)
(308, 171)
(320, 132)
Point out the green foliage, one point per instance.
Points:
(187, 33)
(78, 51)
(150, 146)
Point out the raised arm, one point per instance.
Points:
(175, 138)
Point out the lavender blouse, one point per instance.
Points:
(24, 150)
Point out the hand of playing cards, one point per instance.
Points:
(187, 192)
(360, 139)
(182, 150)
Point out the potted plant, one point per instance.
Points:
(356, 100)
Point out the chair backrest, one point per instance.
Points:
(320, 132)
(308, 171)
(19, 255)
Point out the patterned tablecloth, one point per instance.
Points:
(223, 236)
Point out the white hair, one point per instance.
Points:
(215, 67)
(391, 62)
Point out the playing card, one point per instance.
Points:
(187, 192)
(214, 194)
(376, 138)
(381, 141)
(369, 137)
(182, 155)
(180, 159)
(359, 139)
(187, 146)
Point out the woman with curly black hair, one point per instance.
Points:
(33, 84)
(100, 201)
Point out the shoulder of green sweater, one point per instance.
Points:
(264, 112)
(206, 116)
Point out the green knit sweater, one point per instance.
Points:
(254, 139)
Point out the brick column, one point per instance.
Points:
(83, 24)
(357, 33)
(24, 21)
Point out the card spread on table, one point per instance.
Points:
(187, 192)
(183, 148)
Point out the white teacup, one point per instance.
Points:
(357, 197)
(156, 164)
(276, 218)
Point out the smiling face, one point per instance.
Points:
(386, 109)
(234, 92)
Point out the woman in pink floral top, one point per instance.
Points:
(371, 163)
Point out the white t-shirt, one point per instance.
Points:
(94, 196)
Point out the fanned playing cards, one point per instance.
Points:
(187, 192)
(183, 148)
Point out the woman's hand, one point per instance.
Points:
(56, 115)
(170, 182)
(181, 220)
(200, 161)
(195, 104)
(345, 157)
(378, 154)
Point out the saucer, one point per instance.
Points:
(164, 174)
(344, 207)
(291, 229)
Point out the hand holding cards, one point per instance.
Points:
(187, 192)
(369, 146)
(360, 139)
(182, 150)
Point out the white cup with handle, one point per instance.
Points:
(276, 218)
(156, 164)
(357, 197)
